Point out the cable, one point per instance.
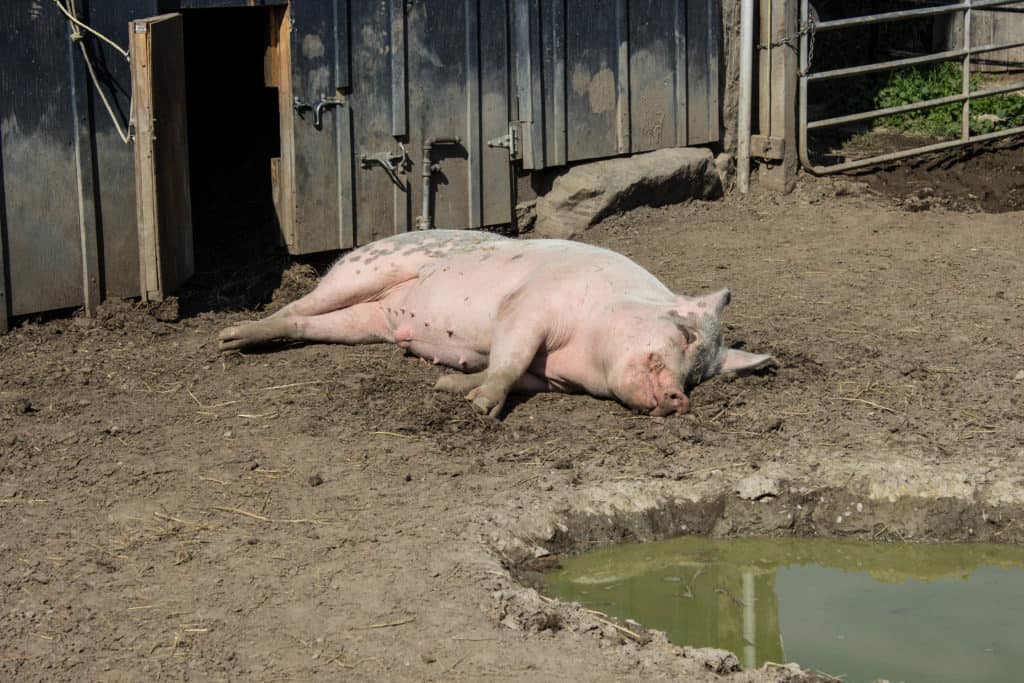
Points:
(74, 20)
(76, 37)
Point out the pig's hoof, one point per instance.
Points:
(485, 403)
(459, 384)
(232, 338)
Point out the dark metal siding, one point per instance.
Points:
(44, 254)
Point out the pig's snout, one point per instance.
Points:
(673, 401)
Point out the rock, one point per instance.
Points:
(315, 480)
(587, 193)
(1019, 377)
(757, 486)
(714, 660)
(725, 164)
(526, 215)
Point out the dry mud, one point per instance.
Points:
(171, 513)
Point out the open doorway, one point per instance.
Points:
(233, 140)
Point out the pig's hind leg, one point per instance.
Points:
(353, 280)
(360, 324)
(344, 308)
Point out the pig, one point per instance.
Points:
(516, 316)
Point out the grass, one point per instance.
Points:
(915, 85)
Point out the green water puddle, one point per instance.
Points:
(860, 610)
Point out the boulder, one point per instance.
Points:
(590, 192)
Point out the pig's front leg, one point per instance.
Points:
(517, 337)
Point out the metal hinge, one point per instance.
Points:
(508, 141)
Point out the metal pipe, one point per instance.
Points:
(910, 61)
(894, 156)
(965, 130)
(426, 219)
(745, 94)
(908, 14)
(926, 104)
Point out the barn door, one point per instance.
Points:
(166, 257)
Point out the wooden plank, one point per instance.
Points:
(652, 73)
(473, 114)
(714, 28)
(554, 74)
(279, 75)
(703, 24)
(343, 136)
(529, 69)
(622, 78)
(370, 108)
(399, 80)
(592, 60)
(495, 114)
(5, 307)
(318, 218)
(679, 77)
(164, 205)
(781, 177)
(440, 63)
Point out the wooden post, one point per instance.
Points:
(777, 142)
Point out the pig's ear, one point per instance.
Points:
(741, 362)
(717, 301)
(699, 306)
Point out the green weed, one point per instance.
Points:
(942, 80)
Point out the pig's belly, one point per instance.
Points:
(447, 315)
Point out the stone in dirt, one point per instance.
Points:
(590, 192)
(1019, 376)
(757, 486)
(717, 661)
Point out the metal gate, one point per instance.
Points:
(811, 30)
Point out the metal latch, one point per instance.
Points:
(318, 109)
(507, 141)
(392, 163)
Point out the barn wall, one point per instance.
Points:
(581, 80)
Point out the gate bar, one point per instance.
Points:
(939, 101)
(948, 55)
(900, 15)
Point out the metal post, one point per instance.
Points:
(965, 131)
(745, 94)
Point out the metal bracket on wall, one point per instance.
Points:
(507, 141)
(392, 163)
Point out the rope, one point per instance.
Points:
(73, 18)
(71, 12)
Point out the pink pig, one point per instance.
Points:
(518, 315)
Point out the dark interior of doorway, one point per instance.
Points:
(234, 132)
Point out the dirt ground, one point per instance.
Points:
(313, 512)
